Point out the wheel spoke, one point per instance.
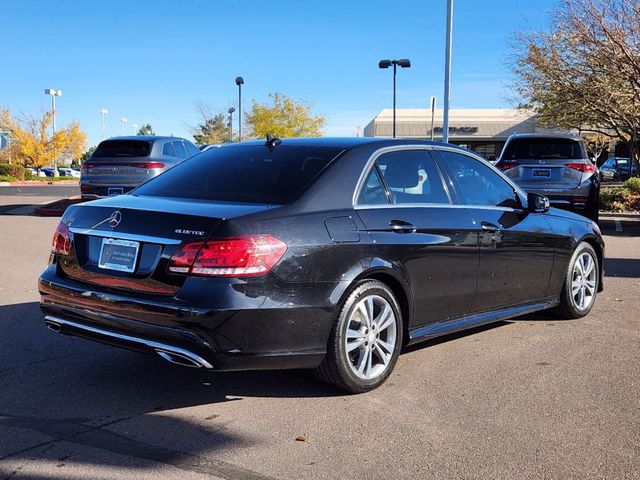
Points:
(575, 286)
(589, 264)
(591, 285)
(351, 346)
(382, 355)
(369, 305)
(387, 346)
(365, 356)
(581, 298)
(385, 319)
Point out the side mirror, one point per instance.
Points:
(537, 203)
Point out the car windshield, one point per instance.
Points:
(551, 148)
(122, 148)
(248, 174)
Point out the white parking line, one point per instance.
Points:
(618, 225)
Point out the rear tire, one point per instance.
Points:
(365, 340)
(580, 284)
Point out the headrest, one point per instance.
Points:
(402, 173)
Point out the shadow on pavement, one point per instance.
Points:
(77, 391)
(622, 267)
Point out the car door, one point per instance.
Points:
(407, 211)
(516, 246)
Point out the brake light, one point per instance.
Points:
(582, 167)
(148, 165)
(507, 164)
(61, 240)
(86, 166)
(245, 256)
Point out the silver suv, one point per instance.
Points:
(120, 164)
(556, 166)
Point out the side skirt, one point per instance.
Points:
(426, 332)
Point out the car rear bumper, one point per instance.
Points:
(583, 197)
(271, 337)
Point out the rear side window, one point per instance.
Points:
(412, 177)
(247, 173)
(543, 148)
(122, 148)
(167, 150)
(191, 149)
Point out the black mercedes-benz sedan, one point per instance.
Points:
(328, 254)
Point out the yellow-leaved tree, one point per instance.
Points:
(284, 117)
(32, 145)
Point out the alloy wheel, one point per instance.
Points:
(583, 281)
(370, 339)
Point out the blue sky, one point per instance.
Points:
(152, 60)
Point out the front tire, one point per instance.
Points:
(581, 283)
(365, 340)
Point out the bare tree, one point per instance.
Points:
(584, 73)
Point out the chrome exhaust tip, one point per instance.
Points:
(178, 359)
(53, 326)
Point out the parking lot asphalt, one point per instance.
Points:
(535, 397)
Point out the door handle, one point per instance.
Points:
(400, 226)
(489, 227)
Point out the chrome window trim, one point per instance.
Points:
(125, 236)
(436, 205)
(370, 163)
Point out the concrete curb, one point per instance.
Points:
(36, 183)
(57, 208)
(620, 215)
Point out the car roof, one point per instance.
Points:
(148, 138)
(566, 136)
(341, 142)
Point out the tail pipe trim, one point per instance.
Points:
(170, 353)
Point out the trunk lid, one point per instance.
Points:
(118, 171)
(147, 230)
(546, 174)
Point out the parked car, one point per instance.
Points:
(48, 171)
(311, 253)
(120, 164)
(617, 169)
(69, 172)
(556, 166)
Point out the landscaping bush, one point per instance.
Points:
(613, 199)
(28, 175)
(633, 185)
(6, 178)
(15, 171)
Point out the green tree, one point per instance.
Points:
(83, 158)
(146, 130)
(213, 128)
(584, 72)
(284, 117)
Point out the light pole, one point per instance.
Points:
(123, 120)
(104, 112)
(54, 93)
(404, 63)
(447, 72)
(239, 82)
(433, 114)
(231, 110)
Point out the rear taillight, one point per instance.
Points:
(245, 256)
(61, 240)
(582, 167)
(507, 164)
(148, 165)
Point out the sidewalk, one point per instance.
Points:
(37, 183)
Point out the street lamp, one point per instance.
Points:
(231, 110)
(54, 93)
(123, 120)
(447, 72)
(239, 82)
(433, 114)
(104, 112)
(403, 63)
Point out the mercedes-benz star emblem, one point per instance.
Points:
(542, 162)
(115, 219)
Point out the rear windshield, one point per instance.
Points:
(248, 174)
(551, 148)
(122, 148)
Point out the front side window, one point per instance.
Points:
(477, 183)
(412, 177)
